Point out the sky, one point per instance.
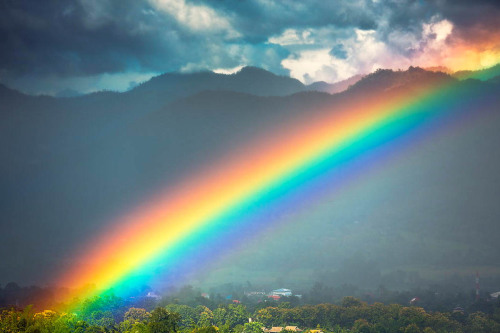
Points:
(54, 46)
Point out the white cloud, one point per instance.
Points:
(228, 70)
(433, 49)
(364, 51)
(293, 37)
(317, 65)
(437, 32)
(198, 18)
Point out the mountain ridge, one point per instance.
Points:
(73, 164)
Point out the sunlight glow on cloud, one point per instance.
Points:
(434, 44)
(361, 53)
(227, 70)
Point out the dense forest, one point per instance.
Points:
(111, 314)
(321, 309)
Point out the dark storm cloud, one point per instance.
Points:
(93, 37)
(471, 17)
(88, 37)
(261, 19)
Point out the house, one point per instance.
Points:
(282, 292)
(255, 293)
(153, 295)
(278, 329)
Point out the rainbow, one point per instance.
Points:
(287, 169)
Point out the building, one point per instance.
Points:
(281, 292)
(278, 329)
(153, 295)
(255, 293)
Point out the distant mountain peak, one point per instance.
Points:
(253, 69)
(250, 80)
(334, 88)
(442, 69)
(386, 79)
(482, 74)
(260, 73)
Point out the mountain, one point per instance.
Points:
(68, 93)
(386, 79)
(250, 80)
(71, 165)
(334, 88)
(483, 74)
(442, 69)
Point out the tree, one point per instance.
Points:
(136, 315)
(163, 321)
(206, 329)
(236, 315)
(253, 327)
(206, 317)
(350, 301)
(412, 328)
(362, 326)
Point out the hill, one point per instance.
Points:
(250, 80)
(71, 165)
(483, 74)
(334, 88)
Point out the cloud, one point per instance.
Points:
(338, 51)
(228, 70)
(293, 37)
(198, 18)
(360, 52)
(69, 39)
(433, 42)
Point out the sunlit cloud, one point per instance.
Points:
(228, 70)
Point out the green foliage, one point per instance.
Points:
(362, 326)
(350, 301)
(206, 329)
(189, 315)
(351, 316)
(206, 317)
(163, 321)
(253, 327)
(99, 308)
(136, 315)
